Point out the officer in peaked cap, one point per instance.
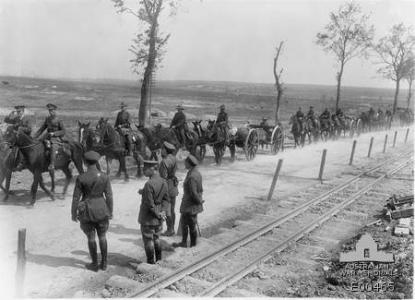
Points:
(179, 124)
(153, 210)
(123, 126)
(192, 202)
(168, 168)
(92, 205)
(55, 133)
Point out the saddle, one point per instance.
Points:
(63, 147)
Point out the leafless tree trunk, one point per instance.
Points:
(278, 83)
(339, 83)
(395, 98)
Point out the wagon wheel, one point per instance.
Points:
(277, 140)
(251, 144)
(359, 127)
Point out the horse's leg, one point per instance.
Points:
(34, 187)
(52, 180)
(232, 149)
(139, 162)
(107, 160)
(68, 178)
(123, 167)
(44, 188)
(6, 189)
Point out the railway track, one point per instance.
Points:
(268, 234)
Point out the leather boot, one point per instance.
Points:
(149, 249)
(104, 253)
(93, 266)
(157, 250)
(193, 237)
(183, 244)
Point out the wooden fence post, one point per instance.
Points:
(406, 135)
(352, 154)
(370, 146)
(394, 139)
(385, 144)
(274, 180)
(21, 261)
(322, 164)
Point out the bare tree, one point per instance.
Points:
(410, 76)
(394, 51)
(346, 36)
(278, 82)
(147, 46)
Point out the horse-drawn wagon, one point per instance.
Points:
(272, 136)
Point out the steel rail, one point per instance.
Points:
(252, 266)
(195, 266)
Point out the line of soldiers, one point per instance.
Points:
(52, 130)
(92, 205)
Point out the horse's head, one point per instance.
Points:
(82, 128)
(211, 124)
(197, 127)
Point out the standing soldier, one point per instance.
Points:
(92, 205)
(123, 125)
(153, 209)
(192, 202)
(18, 121)
(168, 168)
(55, 133)
(178, 123)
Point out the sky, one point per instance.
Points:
(224, 40)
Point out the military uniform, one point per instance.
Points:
(123, 125)
(192, 203)
(92, 205)
(154, 201)
(179, 123)
(19, 122)
(55, 134)
(168, 168)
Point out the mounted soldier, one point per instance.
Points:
(179, 124)
(123, 126)
(299, 116)
(222, 121)
(55, 134)
(18, 121)
(340, 117)
(311, 116)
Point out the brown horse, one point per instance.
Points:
(37, 161)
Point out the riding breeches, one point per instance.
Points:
(151, 240)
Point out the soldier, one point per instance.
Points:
(192, 202)
(222, 121)
(123, 126)
(325, 115)
(55, 133)
(153, 210)
(299, 114)
(168, 168)
(18, 121)
(179, 122)
(265, 125)
(310, 113)
(92, 205)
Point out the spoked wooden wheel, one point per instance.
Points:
(277, 140)
(251, 144)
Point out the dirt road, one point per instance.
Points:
(56, 247)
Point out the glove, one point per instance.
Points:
(50, 134)
(162, 216)
(174, 126)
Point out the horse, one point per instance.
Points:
(202, 138)
(107, 141)
(298, 129)
(157, 135)
(326, 128)
(37, 162)
(313, 129)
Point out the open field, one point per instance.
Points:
(89, 100)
